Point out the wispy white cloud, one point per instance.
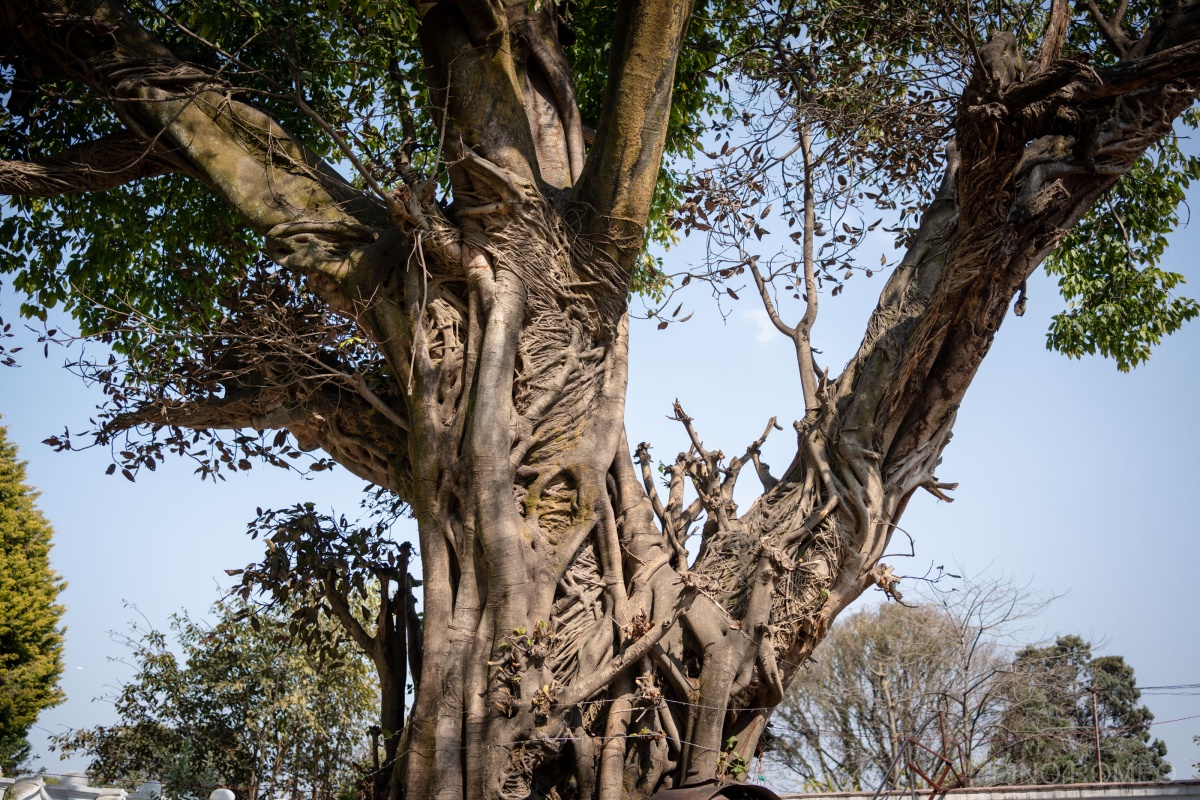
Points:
(765, 331)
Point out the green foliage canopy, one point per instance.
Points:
(234, 704)
(1121, 301)
(880, 81)
(167, 247)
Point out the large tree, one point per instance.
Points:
(31, 638)
(451, 323)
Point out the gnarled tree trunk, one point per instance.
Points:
(571, 648)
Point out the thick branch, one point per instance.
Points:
(768, 304)
(259, 168)
(92, 167)
(1011, 212)
(341, 610)
(475, 90)
(335, 421)
(1117, 38)
(619, 177)
(1072, 82)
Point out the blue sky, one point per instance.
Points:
(1073, 476)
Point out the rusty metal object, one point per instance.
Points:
(717, 789)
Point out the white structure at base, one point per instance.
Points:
(1156, 790)
(75, 787)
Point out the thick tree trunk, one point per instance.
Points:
(569, 648)
(580, 655)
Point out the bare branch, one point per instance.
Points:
(752, 454)
(338, 139)
(936, 488)
(643, 459)
(683, 418)
(802, 338)
(377, 403)
(763, 293)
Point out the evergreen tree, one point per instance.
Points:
(31, 640)
(1059, 697)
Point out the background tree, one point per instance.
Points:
(451, 323)
(336, 576)
(241, 705)
(1057, 698)
(934, 672)
(31, 641)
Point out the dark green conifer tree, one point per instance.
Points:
(31, 639)
(1061, 700)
